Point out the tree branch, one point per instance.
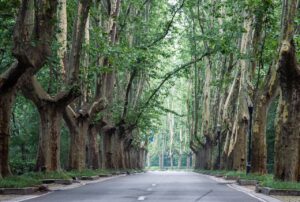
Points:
(129, 85)
(28, 54)
(166, 78)
(66, 97)
(33, 91)
(11, 76)
(70, 118)
(166, 31)
(77, 38)
(97, 106)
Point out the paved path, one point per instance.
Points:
(152, 187)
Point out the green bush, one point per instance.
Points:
(19, 166)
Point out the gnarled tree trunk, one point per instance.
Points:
(265, 98)
(30, 60)
(6, 102)
(51, 113)
(287, 142)
(93, 148)
(48, 158)
(78, 127)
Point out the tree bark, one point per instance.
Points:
(48, 158)
(237, 144)
(188, 161)
(259, 146)
(228, 119)
(62, 36)
(50, 112)
(6, 102)
(30, 60)
(93, 148)
(287, 141)
(78, 125)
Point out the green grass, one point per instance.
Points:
(49, 175)
(280, 185)
(19, 182)
(88, 173)
(264, 180)
(33, 179)
(212, 172)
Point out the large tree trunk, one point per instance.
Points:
(236, 146)
(265, 98)
(30, 60)
(203, 155)
(78, 126)
(78, 145)
(228, 119)
(50, 112)
(93, 148)
(6, 102)
(188, 161)
(287, 142)
(106, 150)
(118, 158)
(142, 155)
(48, 158)
(199, 156)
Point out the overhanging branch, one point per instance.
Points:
(166, 78)
(168, 27)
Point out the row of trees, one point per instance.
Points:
(170, 146)
(97, 73)
(252, 63)
(84, 66)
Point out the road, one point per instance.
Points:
(151, 187)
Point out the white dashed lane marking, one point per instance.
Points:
(141, 198)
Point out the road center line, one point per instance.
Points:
(141, 198)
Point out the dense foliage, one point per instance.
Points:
(170, 83)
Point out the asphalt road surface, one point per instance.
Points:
(152, 187)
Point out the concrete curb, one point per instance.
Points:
(233, 185)
(231, 177)
(243, 182)
(57, 181)
(259, 196)
(18, 191)
(105, 175)
(279, 192)
(59, 188)
(89, 178)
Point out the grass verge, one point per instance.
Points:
(264, 180)
(35, 178)
(19, 182)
